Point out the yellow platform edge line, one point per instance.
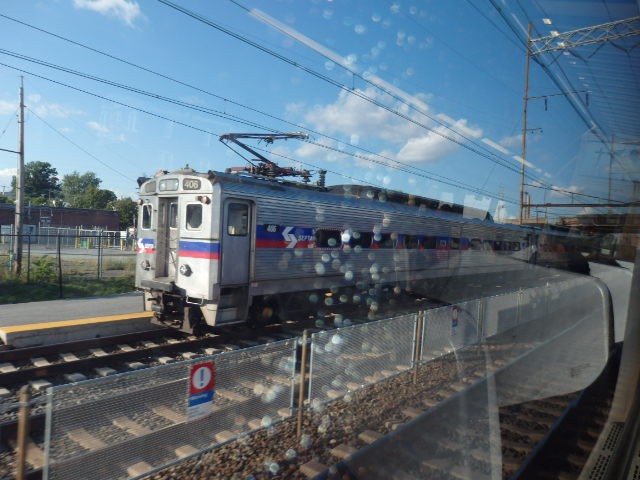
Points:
(75, 322)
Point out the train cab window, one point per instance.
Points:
(173, 215)
(238, 219)
(328, 238)
(146, 217)
(194, 216)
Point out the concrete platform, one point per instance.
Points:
(37, 334)
(55, 321)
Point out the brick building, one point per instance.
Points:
(43, 216)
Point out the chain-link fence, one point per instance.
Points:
(59, 254)
(130, 424)
(450, 328)
(350, 358)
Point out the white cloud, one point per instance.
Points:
(55, 110)
(351, 115)
(363, 122)
(97, 127)
(564, 192)
(426, 148)
(493, 144)
(125, 10)
(8, 107)
(512, 142)
(6, 174)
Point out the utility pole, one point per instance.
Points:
(17, 245)
(524, 129)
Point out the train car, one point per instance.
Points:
(217, 248)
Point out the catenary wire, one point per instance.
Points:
(402, 166)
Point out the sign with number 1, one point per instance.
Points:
(202, 380)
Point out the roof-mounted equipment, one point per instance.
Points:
(262, 166)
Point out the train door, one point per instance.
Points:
(236, 243)
(167, 247)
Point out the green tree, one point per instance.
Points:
(75, 185)
(41, 183)
(95, 197)
(127, 210)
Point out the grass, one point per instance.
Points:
(18, 291)
(79, 279)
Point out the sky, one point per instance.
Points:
(424, 97)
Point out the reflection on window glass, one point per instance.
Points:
(146, 217)
(328, 238)
(173, 215)
(237, 219)
(356, 239)
(194, 216)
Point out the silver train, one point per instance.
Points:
(218, 248)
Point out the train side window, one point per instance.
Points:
(194, 216)
(146, 217)
(383, 240)
(357, 239)
(238, 219)
(328, 238)
(429, 243)
(455, 243)
(173, 215)
(411, 242)
(476, 244)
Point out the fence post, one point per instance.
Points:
(417, 347)
(482, 321)
(59, 254)
(303, 381)
(23, 433)
(28, 259)
(100, 254)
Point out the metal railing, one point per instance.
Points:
(54, 257)
(129, 425)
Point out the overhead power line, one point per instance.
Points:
(411, 168)
(386, 162)
(79, 147)
(480, 150)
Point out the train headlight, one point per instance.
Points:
(185, 269)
